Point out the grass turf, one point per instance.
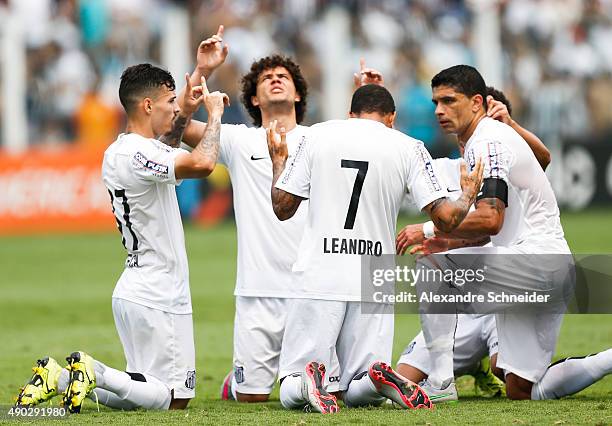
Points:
(55, 298)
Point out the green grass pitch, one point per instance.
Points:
(55, 297)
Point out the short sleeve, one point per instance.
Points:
(295, 179)
(495, 157)
(229, 136)
(154, 162)
(423, 183)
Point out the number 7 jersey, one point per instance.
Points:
(355, 173)
(139, 175)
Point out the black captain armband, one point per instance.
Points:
(494, 188)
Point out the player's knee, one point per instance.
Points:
(250, 397)
(178, 404)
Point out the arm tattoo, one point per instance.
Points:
(284, 204)
(209, 145)
(460, 209)
(174, 136)
(492, 202)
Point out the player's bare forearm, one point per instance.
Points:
(194, 132)
(454, 243)
(485, 221)
(208, 148)
(174, 137)
(446, 214)
(540, 151)
(284, 204)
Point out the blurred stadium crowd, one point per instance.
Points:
(557, 61)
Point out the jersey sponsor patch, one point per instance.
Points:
(494, 158)
(190, 381)
(141, 161)
(430, 174)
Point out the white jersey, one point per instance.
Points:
(532, 215)
(355, 173)
(139, 175)
(267, 247)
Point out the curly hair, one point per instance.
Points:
(249, 85)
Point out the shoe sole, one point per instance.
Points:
(319, 399)
(74, 358)
(390, 384)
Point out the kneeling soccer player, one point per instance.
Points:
(355, 173)
(151, 302)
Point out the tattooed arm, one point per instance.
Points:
(284, 203)
(486, 220)
(446, 214)
(173, 138)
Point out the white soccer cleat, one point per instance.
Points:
(447, 392)
(314, 392)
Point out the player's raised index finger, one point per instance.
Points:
(204, 86)
(220, 31)
(362, 64)
(187, 82)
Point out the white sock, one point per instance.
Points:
(152, 394)
(439, 334)
(291, 392)
(572, 375)
(62, 381)
(361, 392)
(233, 386)
(109, 399)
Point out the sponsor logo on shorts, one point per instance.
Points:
(190, 381)
(239, 374)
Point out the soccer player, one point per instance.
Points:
(273, 89)
(476, 336)
(517, 210)
(151, 301)
(354, 173)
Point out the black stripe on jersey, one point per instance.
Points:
(126, 216)
(119, 226)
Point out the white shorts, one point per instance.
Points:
(475, 338)
(259, 325)
(318, 329)
(157, 343)
(527, 337)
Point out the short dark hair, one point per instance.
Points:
(140, 81)
(498, 95)
(249, 85)
(464, 79)
(372, 98)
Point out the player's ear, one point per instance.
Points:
(147, 105)
(297, 97)
(352, 115)
(254, 101)
(390, 119)
(477, 103)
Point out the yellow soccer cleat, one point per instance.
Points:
(487, 384)
(43, 384)
(82, 381)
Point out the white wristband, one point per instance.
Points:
(428, 229)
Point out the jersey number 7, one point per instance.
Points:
(362, 170)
